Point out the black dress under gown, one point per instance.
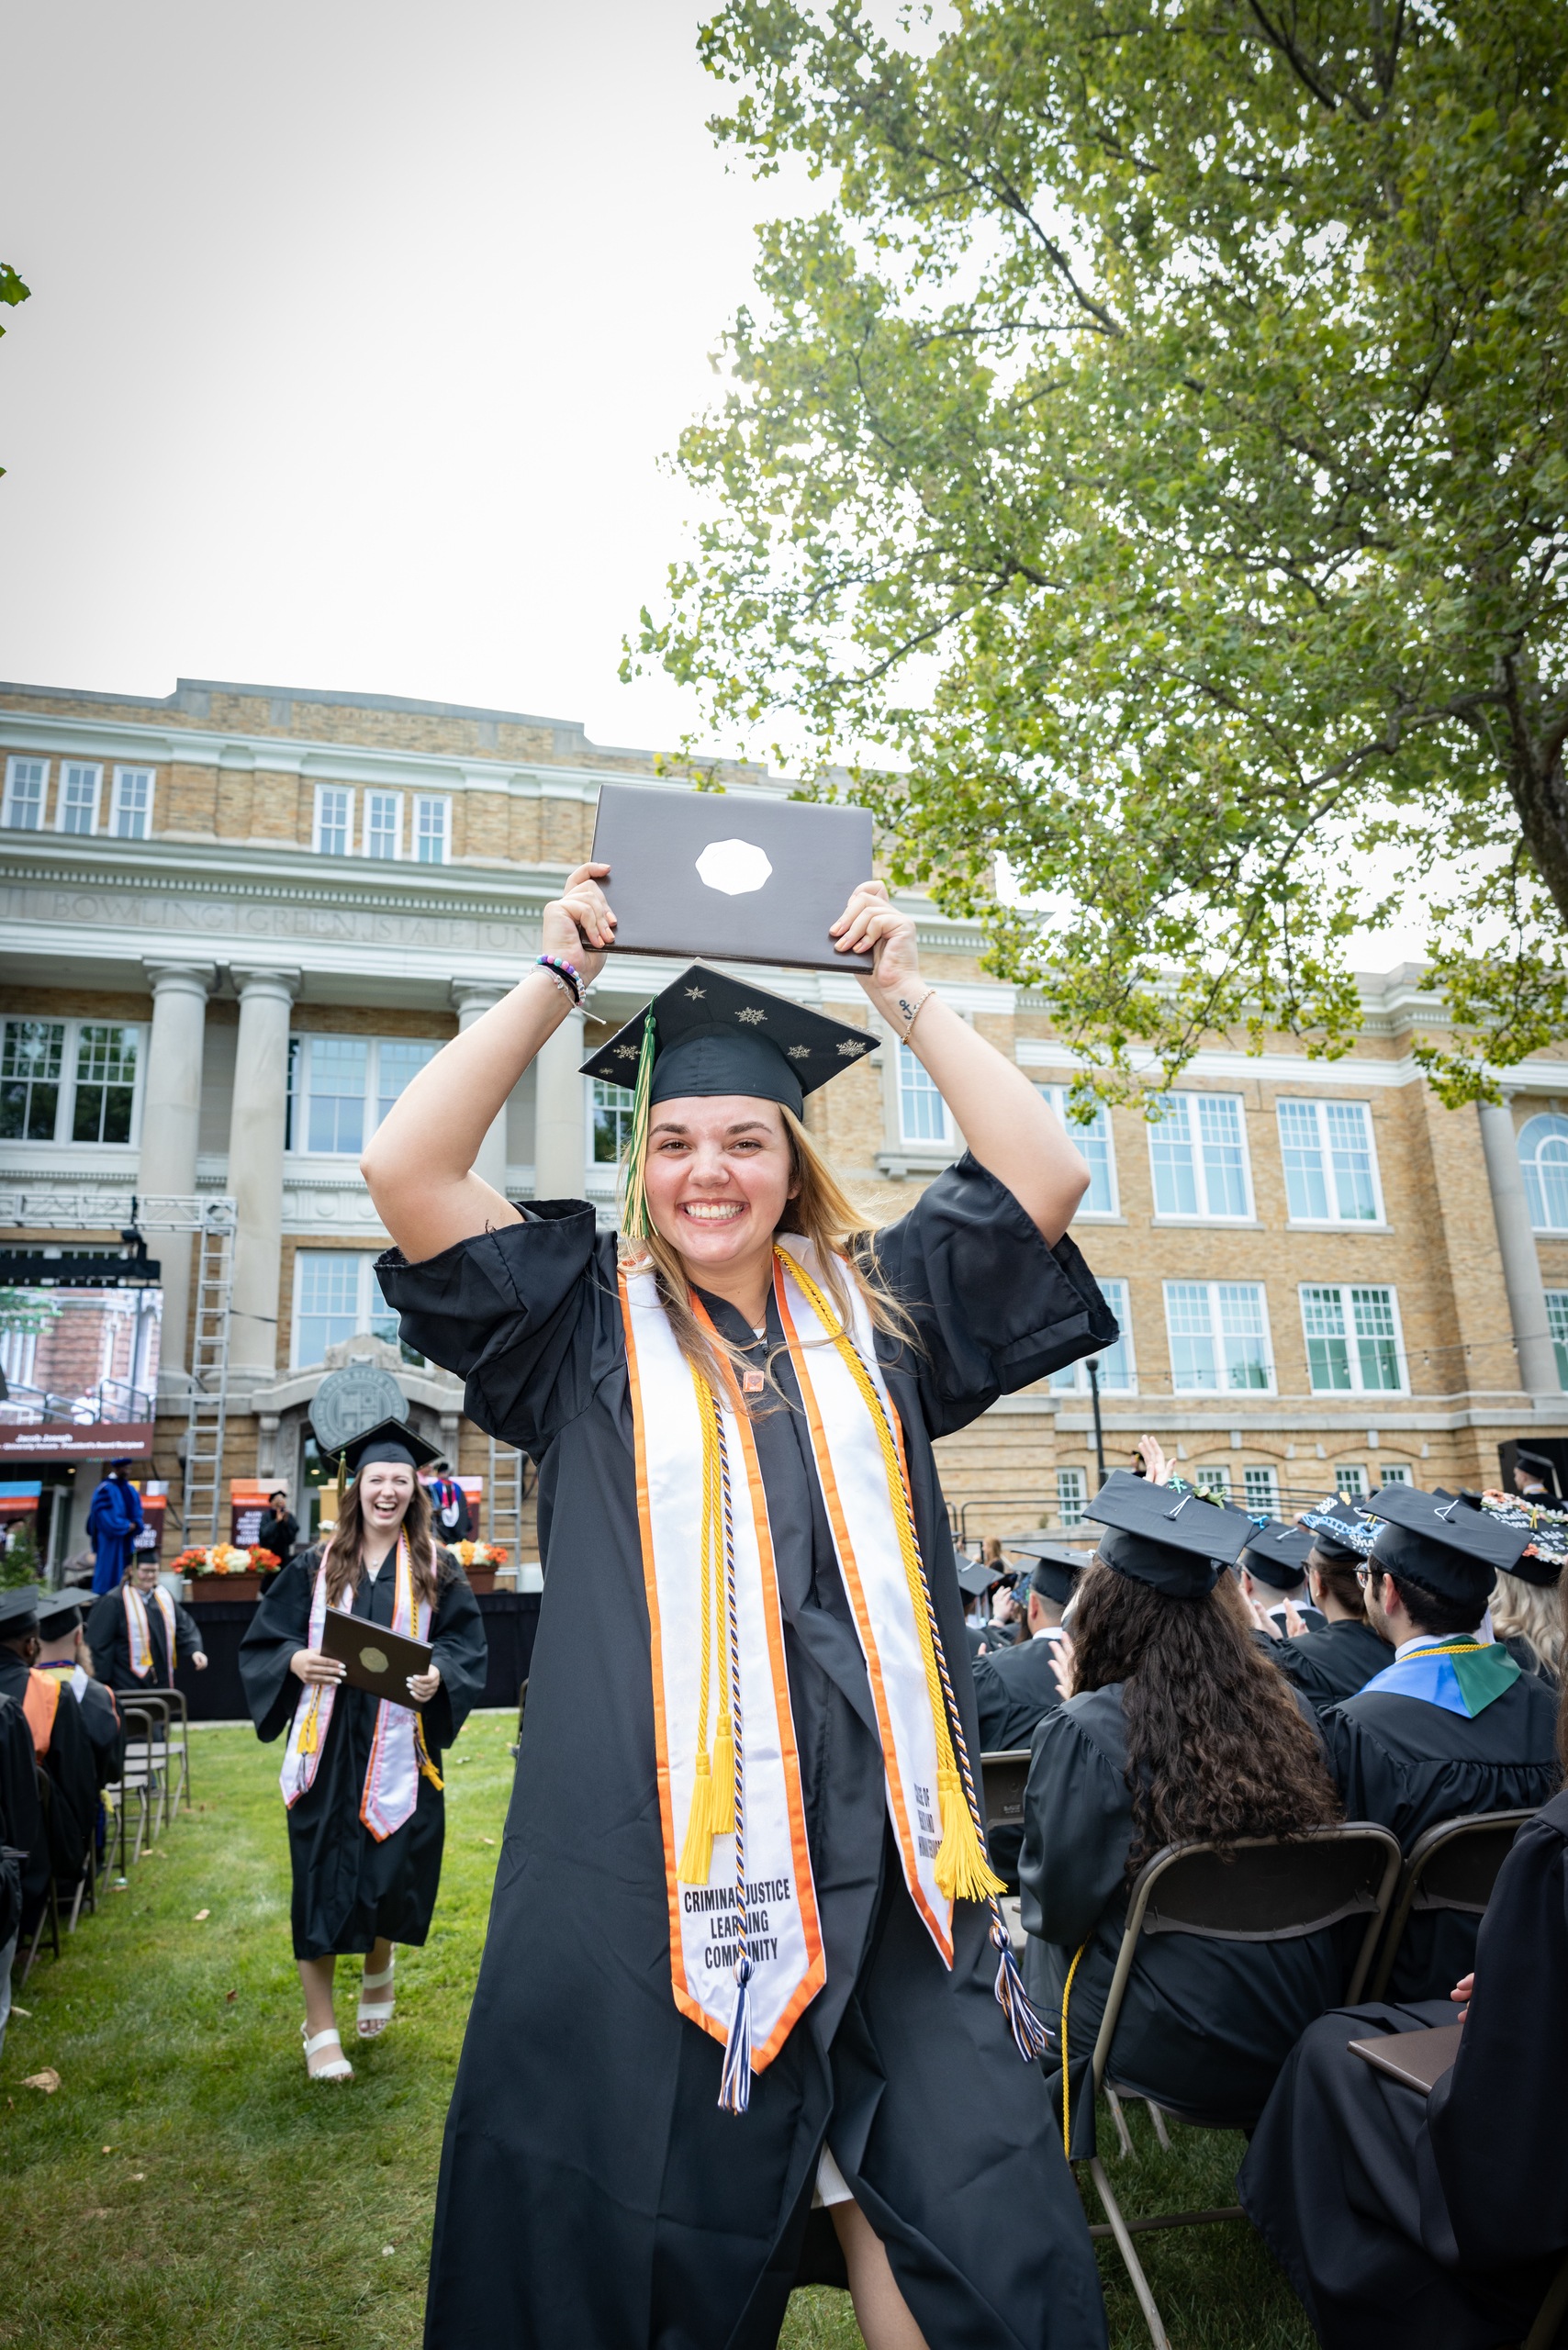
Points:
(350, 1890)
(593, 2191)
(1433, 2223)
(1408, 1764)
(1205, 2025)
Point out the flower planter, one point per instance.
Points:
(481, 1578)
(226, 1586)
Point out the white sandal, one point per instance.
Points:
(375, 2015)
(341, 2070)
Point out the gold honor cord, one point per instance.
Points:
(1066, 2096)
(962, 1871)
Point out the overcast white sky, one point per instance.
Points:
(356, 333)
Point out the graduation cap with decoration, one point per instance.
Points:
(1445, 1541)
(1277, 1554)
(1055, 1569)
(707, 1034)
(1167, 1535)
(1343, 1534)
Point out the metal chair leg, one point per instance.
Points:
(1157, 2119)
(1122, 2140)
(1130, 2261)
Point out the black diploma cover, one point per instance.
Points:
(375, 1659)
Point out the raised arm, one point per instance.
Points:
(419, 1164)
(1007, 1123)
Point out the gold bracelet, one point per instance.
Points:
(911, 1016)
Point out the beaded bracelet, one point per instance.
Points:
(570, 977)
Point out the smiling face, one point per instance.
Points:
(718, 1178)
(386, 1489)
(144, 1570)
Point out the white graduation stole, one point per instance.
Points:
(137, 1632)
(397, 1755)
(746, 1946)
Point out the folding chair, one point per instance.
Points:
(1453, 1866)
(1003, 1777)
(48, 1910)
(138, 1778)
(174, 1700)
(1261, 1889)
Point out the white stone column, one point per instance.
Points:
(560, 1119)
(1521, 1264)
(256, 1132)
(170, 1117)
(471, 999)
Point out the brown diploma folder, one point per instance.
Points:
(377, 1659)
(1419, 2059)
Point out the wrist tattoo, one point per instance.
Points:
(912, 1010)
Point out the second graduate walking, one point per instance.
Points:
(746, 1957)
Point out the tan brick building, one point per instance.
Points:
(236, 922)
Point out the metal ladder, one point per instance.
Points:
(203, 1489)
(505, 1490)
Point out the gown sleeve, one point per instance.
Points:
(990, 1704)
(514, 1314)
(1496, 2123)
(1077, 1831)
(280, 1627)
(993, 1307)
(109, 1614)
(188, 1633)
(457, 1635)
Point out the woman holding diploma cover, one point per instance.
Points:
(745, 1956)
(361, 1774)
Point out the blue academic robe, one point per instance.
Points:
(113, 1521)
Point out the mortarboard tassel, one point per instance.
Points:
(734, 2082)
(635, 1220)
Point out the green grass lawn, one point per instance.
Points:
(185, 2184)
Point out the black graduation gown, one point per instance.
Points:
(109, 1641)
(72, 1778)
(21, 1818)
(1409, 1763)
(1013, 1691)
(349, 1890)
(593, 2191)
(99, 1719)
(1433, 2223)
(1205, 2025)
(1332, 1662)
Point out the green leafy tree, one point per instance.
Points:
(12, 291)
(1151, 466)
(19, 1559)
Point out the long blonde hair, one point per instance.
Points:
(1532, 1613)
(821, 1211)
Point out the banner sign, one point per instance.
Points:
(70, 1440)
(82, 1372)
(247, 1506)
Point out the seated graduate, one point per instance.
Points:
(61, 1746)
(64, 1652)
(1018, 1685)
(140, 1632)
(1433, 2223)
(743, 1918)
(1271, 1571)
(24, 1856)
(1344, 1653)
(1450, 1726)
(1525, 1614)
(1179, 1731)
(361, 1774)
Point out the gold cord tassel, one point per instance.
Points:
(697, 1853)
(962, 1871)
(723, 1779)
(309, 1736)
(427, 1768)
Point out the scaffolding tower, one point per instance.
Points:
(211, 1223)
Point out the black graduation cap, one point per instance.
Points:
(1167, 1538)
(977, 1578)
(714, 1034)
(1444, 1540)
(1342, 1533)
(387, 1440)
(18, 1611)
(1278, 1554)
(59, 1611)
(1055, 1569)
(1545, 1468)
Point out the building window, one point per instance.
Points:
(340, 1088)
(337, 1296)
(610, 1111)
(1351, 1478)
(334, 819)
(1072, 1495)
(31, 1060)
(27, 781)
(432, 830)
(1117, 1376)
(130, 817)
(923, 1114)
(383, 823)
(77, 809)
(1543, 1154)
(1199, 1153)
(1394, 1472)
(18, 1357)
(1261, 1491)
(1331, 1166)
(1557, 1323)
(1094, 1141)
(1219, 1336)
(1352, 1339)
(105, 1083)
